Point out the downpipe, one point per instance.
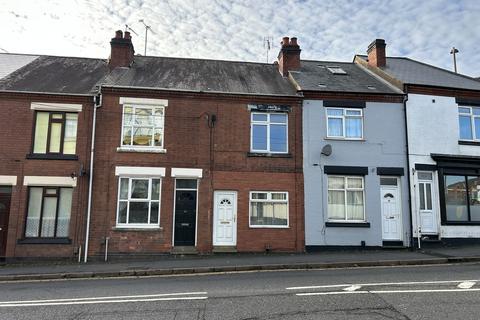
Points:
(97, 103)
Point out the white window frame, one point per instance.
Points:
(343, 117)
(268, 200)
(472, 122)
(128, 200)
(267, 124)
(345, 178)
(142, 106)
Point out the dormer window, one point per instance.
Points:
(336, 70)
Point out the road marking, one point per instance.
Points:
(98, 302)
(352, 288)
(466, 284)
(386, 291)
(378, 284)
(109, 299)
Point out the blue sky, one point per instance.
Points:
(234, 30)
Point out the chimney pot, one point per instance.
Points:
(377, 54)
(289, 56)
(127, 35)
(118, 34)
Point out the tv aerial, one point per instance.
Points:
(147, 28)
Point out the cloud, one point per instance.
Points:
(234, 30)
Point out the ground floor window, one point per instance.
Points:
(49, 210)
(346, 199)
(268, 209)
(462, 198)
(138, 202)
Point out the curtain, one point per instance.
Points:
(355, 205)
(353, 127)
(336, 204)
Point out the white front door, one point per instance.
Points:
(225, 218)
(427, 214)
(391, 209)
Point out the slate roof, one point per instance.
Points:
(51, 74)
(410, 71)
(314, 76)
(201, 75)
(11, 62)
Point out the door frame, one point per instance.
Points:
(175, 204)
(435, 207)
(400, 206)
(235, 193)
(3, 246)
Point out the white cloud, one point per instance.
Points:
(234, 30)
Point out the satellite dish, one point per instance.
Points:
(327, 150)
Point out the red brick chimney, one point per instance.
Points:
(289, 56)
(376, 53)
(122, 52)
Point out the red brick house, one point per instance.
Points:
(46, 105)
(196, 156)
(190, 155)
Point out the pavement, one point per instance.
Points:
(191, 264)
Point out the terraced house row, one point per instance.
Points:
(143, 155)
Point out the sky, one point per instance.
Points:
(235, 30)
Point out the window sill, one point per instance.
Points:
(269, 227)
(137, 229)
(141, 149)
(269, 155)
(44, 241)
(46, 156)
(348, 224)
(469, 143)
(344, 139)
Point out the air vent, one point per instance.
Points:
(336, 70)
(322, 85)
(371, 87)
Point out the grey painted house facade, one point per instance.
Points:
(354, 155)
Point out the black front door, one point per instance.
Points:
(5, 196)
(185, 216)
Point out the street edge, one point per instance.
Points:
(241, 268)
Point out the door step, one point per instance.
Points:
(184, 250)
(224, 249)
(389, 244)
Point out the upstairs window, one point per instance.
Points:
(269, 132)
(344, 123)
(55, 133)
(469, 123)
(143, 126)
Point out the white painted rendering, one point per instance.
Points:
(49, 181)
(225, 218)
(143, 101)
(186, 173)
(391, 202)
(8, 180)
(433, 128)
(140, 171)
(49, 106)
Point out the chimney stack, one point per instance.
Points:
(122, 51)
(376, 53)
(289, 56)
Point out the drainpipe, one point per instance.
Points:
(97, 102)
(405, 99)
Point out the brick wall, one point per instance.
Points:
(222, 153)
(15, 143)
